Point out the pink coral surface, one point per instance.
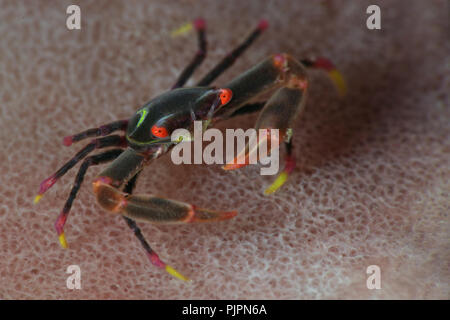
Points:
(372, 180)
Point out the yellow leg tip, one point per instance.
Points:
(279, 181)
(37, 198)
(339, 82)
(185, 28)
(176, 274)
(62, 241)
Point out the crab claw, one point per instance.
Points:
(241, 160)
(204, 215)
(268, 140)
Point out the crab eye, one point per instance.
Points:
(159, 132)
(225, 96)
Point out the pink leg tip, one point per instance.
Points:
(290, 164)
(263, 24)
(46, 184)
(199, 24)
(67, 141)
(155, 260)
(60, 222)
(324, 63)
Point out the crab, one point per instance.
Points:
(146, 135)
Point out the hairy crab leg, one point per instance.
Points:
(199, 25)
(89, 161)
(99, 143)
(145, 207)
(233, 55)
(282, 72)
(103, 130)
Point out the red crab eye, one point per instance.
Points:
(159, 132)
(225, 96)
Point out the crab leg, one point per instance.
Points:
(89, 161)
(233, 55)
(333, 73)
(199, 25)
(280, 72)
(151, 254)
(248, 108)
(145, 207)
(99, 143)
(103, 130)
(289, 166)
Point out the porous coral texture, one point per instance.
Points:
(371, 186)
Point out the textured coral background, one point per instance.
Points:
(371, 187)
